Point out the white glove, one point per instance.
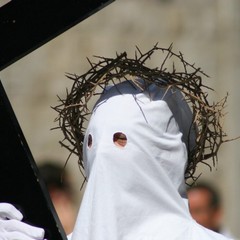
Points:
(11, 227)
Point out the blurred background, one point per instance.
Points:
(207, 32)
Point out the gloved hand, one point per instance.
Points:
(11, 227)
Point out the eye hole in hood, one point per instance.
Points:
(120, 139)
(90, 141)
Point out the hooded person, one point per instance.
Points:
(135, 156)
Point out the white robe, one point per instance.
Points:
(136, 192)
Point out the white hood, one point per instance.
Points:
(134, 192)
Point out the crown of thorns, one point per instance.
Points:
(73, 111)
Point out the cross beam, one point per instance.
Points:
(26, 25)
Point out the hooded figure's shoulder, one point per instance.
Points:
(199, 233)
